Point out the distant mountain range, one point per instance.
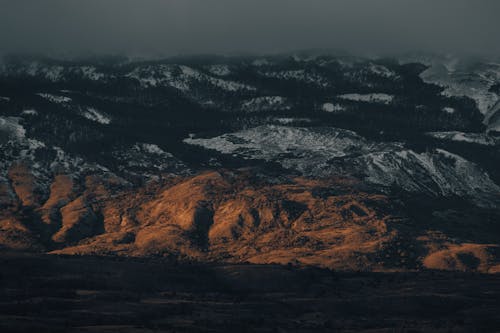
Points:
(336, 161)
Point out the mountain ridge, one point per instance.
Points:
(343, 162)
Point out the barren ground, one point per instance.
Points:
(50, 293)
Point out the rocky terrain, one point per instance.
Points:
(334, 161)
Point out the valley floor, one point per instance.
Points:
(50, 293)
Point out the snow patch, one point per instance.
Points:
(298, 75)
(494, 127)
(148, 160)
(330, 107)
(91, 73)
(51, 73)
(97, 116)
(330, 151)
(368, 98)
(268, 141)
(13, 139)
(219, 70)
(289, 121)
(477, 138)
(10, 127)
(265, 103)
(382, 71)
(152, 149)
(30, 112)
(181, 77)
(472, 80)
(55, 98)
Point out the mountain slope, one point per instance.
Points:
(329, 160)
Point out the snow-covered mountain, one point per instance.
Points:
(322, 152)
(357, 116)
(469, 77)
(335, 161)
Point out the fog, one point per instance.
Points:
(153, 27)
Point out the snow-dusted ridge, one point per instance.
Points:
(382, 71)
(219, 70)
(29, 112)
(55, 98)
(53, 73)
(300, 75)
(97, 116)
(181, 77)
(265, 103)
(368, 98)
(17, 146)
(11, 129)
(290, 121)
(331, 151)
(477, 138)
(147, 160)
(468, 78)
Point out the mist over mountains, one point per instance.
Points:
(154, 28)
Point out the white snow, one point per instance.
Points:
(470, 79)
(151, 148)
(55, 73)
(97, 116)
(449, 110)
(91, 73)
(30, 112)
(494, 127)
(330, 107)
(148, 160)
(16, 138)
(35, 144)
(330, 151)
(382, 71)
(3, 98)
(478, 138)
(288, 121)
(265, 103)
(51, 73)
(219, 70)
(55, 98)
(11, 127)
(368, 98)
(268, 141)
(73, 164)
(300, 75)
(182, 78)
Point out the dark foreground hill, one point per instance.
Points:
(46, 293)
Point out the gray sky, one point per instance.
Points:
(149, 27)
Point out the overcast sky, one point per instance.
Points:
(149, 27)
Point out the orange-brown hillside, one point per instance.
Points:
(232, 216)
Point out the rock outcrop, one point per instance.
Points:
(234, 216)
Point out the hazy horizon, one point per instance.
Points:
(166, 28)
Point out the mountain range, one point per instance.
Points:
(336, 161)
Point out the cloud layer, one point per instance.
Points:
(256, 26)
